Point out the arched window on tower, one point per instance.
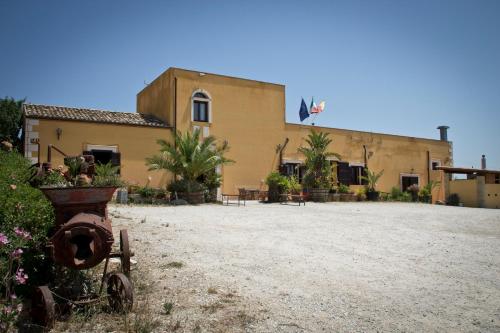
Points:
(201, 106)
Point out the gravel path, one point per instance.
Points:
(343, 267)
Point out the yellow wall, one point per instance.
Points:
(135, 143)
(251, 116)
(466, 190)
(492, 197)
(395, 155)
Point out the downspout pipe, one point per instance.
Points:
(281, 151)
(428, 166)
(365, 157)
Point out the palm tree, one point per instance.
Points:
(371, 179)
(188, 156)
(318, 168)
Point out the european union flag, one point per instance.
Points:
(303, 113)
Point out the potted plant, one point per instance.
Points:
(425, 194)
(278, 185)
(361, 194)
(344, 192)
(317, 178)
(371, 182)
(413, 190)
(293, 185)
(212, 181)
(189, 157)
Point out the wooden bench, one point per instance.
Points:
(299, 198)
(239, 197)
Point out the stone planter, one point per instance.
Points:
(194, 198)
(372, 195)
(426, 198)
(159, 201)
(318, 194)
(348, 197)
(335, 197)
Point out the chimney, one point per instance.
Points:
(483, 162)
(443, 132)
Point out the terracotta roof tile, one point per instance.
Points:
(90, 115)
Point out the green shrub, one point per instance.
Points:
(183, 186)
(342, 188)
(405, 197)
(278, 184)
(14, 168)
(25, 218)
(146, 192)
(107, 175)
(52, 179)
(396, 194)
(294, 185)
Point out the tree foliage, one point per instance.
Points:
(189, 156)
(318, 168)
(10, 119)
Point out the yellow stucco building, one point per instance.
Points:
(249, 114)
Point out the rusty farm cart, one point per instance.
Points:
(82, 238)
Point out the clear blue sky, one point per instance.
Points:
(401, 67)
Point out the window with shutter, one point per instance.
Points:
(344, 173)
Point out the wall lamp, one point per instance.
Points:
(58, 133)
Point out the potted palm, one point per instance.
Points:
(425, 193)
(318, 169)
(371, 179)
(190, 158)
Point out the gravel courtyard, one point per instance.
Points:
(334, 267)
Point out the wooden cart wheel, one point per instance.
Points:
(125, 252)
(120, 293)
(43, 307)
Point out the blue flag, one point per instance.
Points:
(303, 113)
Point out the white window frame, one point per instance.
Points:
(90, 147)
(208, 100)
(433, 161)
(401, 175)
(358, 164)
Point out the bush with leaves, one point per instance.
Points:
(294, 185)
(425, 193)
(396, 194)
(277, 184)
(185, 186)
(25, 218)
(107, 175)
(343, 188)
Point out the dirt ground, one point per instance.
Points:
(334, 267)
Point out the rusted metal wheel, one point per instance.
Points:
(43, 307)
(125, 252)
(120, 292)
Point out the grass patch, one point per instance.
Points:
(212, 308)
(174, 264)
(167, 307)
